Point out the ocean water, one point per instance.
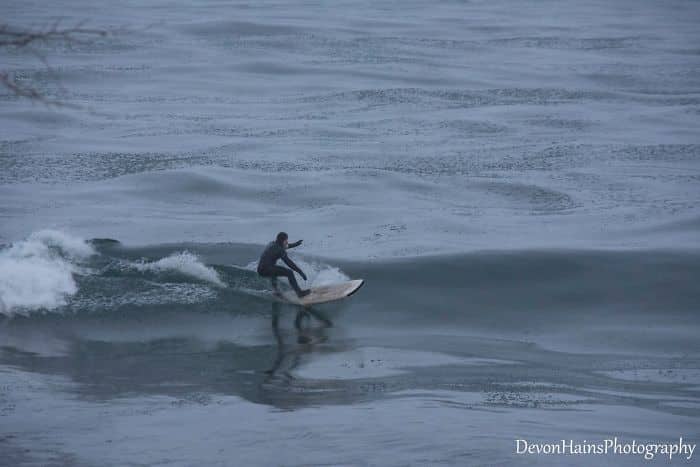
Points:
(517, 182)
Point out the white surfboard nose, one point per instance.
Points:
(325, 293)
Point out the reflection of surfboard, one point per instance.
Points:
(324, 293)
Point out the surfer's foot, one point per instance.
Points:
(303, 293)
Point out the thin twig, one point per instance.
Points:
(22, 39)
(29, 92)
(18, 38)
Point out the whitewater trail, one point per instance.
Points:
(39, 272)
(55, 271)
(317, 273)
(185, 263)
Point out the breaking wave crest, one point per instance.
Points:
(57, 272)
(52, 271)
(317, 273)
(185, 263)
(38, 273)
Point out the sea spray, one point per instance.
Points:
(317, 273)
(37, 273)
(185, 263)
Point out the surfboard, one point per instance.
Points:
(324, 293)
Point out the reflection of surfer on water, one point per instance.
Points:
(288, 356)
(267, 266)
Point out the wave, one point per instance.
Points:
(39, 272)
(317, 273)
(184, 262)
(53, 271)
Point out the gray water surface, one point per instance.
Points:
(517, 182)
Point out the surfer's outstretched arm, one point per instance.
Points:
(295, 244)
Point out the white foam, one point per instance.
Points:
(71, 246)
(184, 262)
(317, 273)
(37, 273)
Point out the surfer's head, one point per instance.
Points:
(282, 238)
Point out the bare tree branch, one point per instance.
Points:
(14, 38)
(29, 92)
(20, 38)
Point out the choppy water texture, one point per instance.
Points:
(388, 128)
(180, 354)
(516, 181)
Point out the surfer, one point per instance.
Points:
(267, 266)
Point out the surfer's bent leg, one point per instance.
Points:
(278, 271)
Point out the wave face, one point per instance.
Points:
(537, 294)
(163, 329)
(55, 272)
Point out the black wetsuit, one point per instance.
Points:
(267, 266)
